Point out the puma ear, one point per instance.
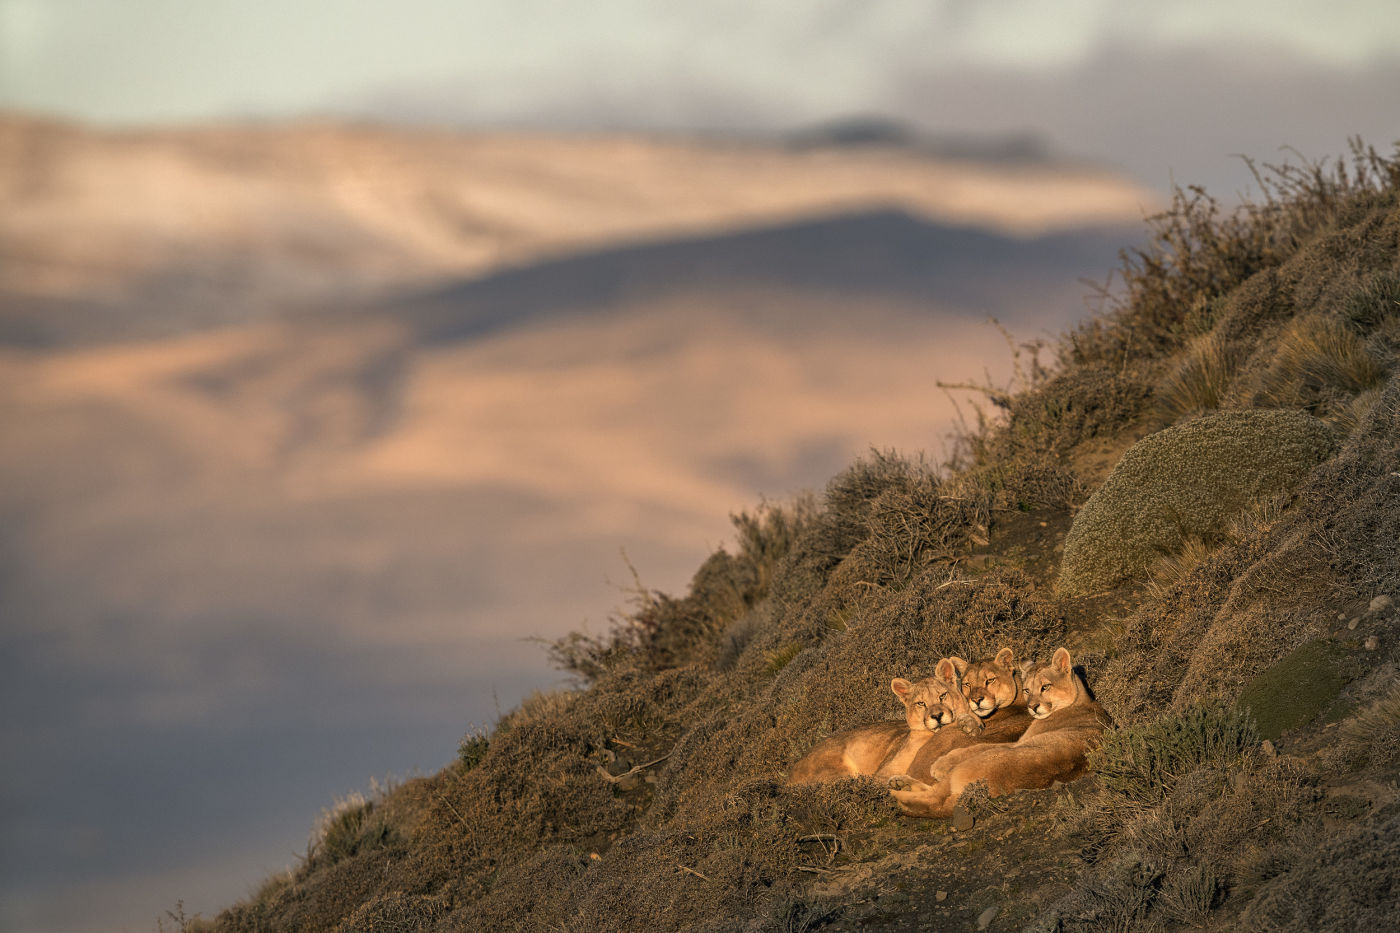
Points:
(1060, 661)
(959, 665)
(1024, 667)
(1004, 658)
(901, 688)
(947, 669)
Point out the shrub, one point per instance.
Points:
(346, 829)
(661, 631)
(1188, 480)
(1143, 763)
(472, 749)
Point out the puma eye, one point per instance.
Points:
(920, 703)
(942, 697)
(1044, 688)
(990, 681)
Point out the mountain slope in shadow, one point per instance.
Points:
(885, 254)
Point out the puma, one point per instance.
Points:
(887, 748)
(1067, 724)
(993, 691)
(991, 685)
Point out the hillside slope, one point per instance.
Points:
(651, 797)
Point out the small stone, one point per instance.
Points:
(1371, 643)
(940, 896)
(1381, 603)
(1356, 620)
(962, 820)
(985, 918)
(1341, 617)
(1269, 750)
(595, 856)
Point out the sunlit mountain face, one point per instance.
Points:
(307, 428)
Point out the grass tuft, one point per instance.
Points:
(346, 829)
(1374, 301)
(1200, 382)
(1318, 361)
(780, 658)
(1374, 731)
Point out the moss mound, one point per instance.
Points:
(1187, 481)
(1296, 689)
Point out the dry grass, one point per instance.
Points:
(1201, 381)
(1319, 362)
(1173, 568)
(1199, 252)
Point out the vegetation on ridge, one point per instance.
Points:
(651, 797)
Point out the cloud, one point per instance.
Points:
(1168, 113)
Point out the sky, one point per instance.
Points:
(1168, 91)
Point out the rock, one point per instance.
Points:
(1187, 481)
(940, 896)
(1372, 643)
(1355, 620)
(962, 820)
(1269, 750)
(1341, 617)
(1381, 603)
(985, 918)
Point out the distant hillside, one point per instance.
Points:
(1242, 632)
(883, 255)
(887, 132)
(143, 233)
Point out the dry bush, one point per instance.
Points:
(1142, 763)
(1375, 301)
(1173, 855)
(1343, 881)
(661, 631)
(1198, 253)
(1373, 733)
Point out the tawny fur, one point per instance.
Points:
(993, 690)
(991, 685)
(1068, 723)
(889, 748)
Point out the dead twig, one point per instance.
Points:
(691, 871)
(636, 769)
(823, 839)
